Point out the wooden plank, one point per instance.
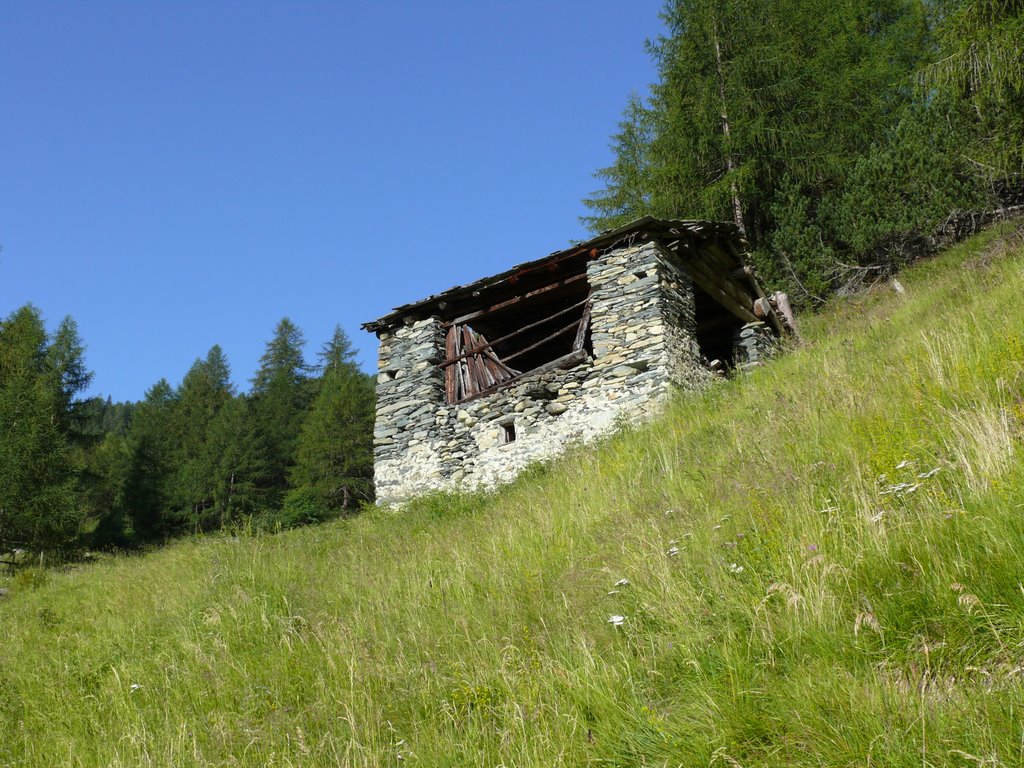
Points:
(472, 374)
(450, 350)
(501, 370)
(581, 334)
(697, 265)
(724, 260)
(570, 360)
(724, 252)
(517, 299)
(751, 276)
(721, 296)
(786, 310)
(701, 256)
(695, 258)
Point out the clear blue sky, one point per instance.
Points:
(182, 174)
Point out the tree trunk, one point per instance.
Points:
(730, 160)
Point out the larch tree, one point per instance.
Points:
(758, 104)
(237, 463)
(281, 394)
(152, 446)
(981, 62)
(40, 504)
(334, 457)
(204, 391)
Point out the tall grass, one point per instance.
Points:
(824, 559)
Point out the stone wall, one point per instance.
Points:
(642, 333)
(754, 344)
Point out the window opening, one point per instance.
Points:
(546, 327)
(508, 433)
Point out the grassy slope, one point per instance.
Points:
(809, 618)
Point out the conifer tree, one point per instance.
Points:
(152, 445)
(236, 459)
(759, 104)
(66, 361)
(205, 389)
(334, 458)
(281, 393)
(40, 507)
(106, 469)
(982, 63)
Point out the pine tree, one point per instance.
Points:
(105, 479)
(337, 352)
(627, 187)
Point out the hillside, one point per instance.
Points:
(825, 565)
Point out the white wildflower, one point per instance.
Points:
(905, 463)
(616, 620)
(672, 551)
(735, 568)
(899, 489)
(929, 473)
(622, 582)
(612, 592)
(134, 687)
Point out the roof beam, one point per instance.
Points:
(517, 299)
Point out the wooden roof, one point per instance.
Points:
(461, 297)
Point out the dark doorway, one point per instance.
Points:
(716, 329)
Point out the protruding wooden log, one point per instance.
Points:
(781, 301)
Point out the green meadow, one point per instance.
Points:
(816, 563)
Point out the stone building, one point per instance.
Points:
(476, 383)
